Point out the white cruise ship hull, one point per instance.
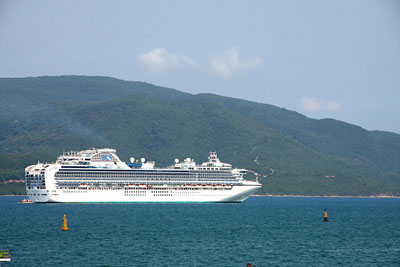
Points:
(235, 194)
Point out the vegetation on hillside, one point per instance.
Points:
(42, 117)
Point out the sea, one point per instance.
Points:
(262, 231)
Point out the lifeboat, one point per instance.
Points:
(26, 201)
(82, 186)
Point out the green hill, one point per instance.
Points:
(41, 117)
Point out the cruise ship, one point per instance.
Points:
(98, 175)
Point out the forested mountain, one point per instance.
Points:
(44, 116)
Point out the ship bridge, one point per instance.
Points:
(213, 161)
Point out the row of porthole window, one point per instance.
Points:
(142, 177)
(114, 181)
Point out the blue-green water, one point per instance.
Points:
(263, 231)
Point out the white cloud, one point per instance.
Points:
(310, 104)
(332, 105)
(313, 104)
(228, 64)
(161, 60)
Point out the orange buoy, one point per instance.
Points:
(325, 216)
(65, 226)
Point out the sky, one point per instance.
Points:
(324, 59)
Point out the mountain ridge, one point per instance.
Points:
(296, 154)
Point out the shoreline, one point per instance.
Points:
(321, 196)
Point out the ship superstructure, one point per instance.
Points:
(98, 175)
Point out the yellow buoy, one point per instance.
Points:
(65, 227)
(325, 216)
